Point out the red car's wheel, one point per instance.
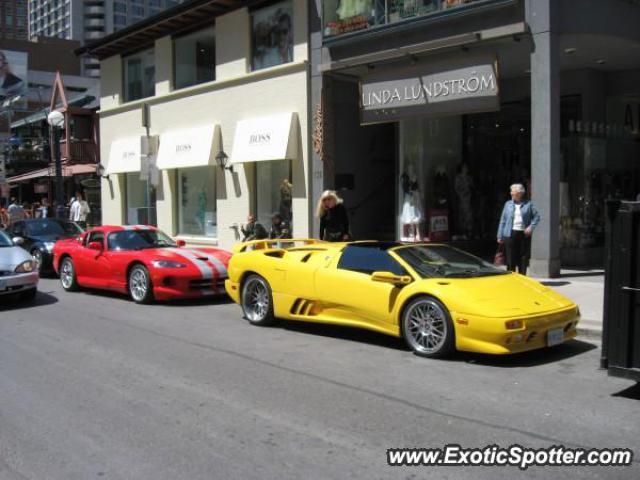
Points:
(427, 327)
(139, 284)
(68, 275)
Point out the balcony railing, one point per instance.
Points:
(342, 17)
(78, 151)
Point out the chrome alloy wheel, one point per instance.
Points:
(138, 285)
(66, 274)
(426, 326)
(255, 299)
(36, 256)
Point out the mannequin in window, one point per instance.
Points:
(463, 185)
(411, 216)
(285, 200)
(202, 206)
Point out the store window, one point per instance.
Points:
(140, 201)
(272, 35)
(139, 75)
(273, 191)
(455, 173)
(120, 7)
(346, 16)
(600, 161)
(197, 210)
(194, 58)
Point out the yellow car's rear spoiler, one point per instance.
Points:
(273, 243)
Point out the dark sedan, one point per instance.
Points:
(37, 236)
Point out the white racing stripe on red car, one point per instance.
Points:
(206, 270)
(222, 270)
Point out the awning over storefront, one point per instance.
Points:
(67, 171)
(124, 156)
(194, 147)
(265, 138)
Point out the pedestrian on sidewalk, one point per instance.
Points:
(253, 230)
(79, 211)
(518, 220)
(279, 228)
(334, 221)
(15, 211)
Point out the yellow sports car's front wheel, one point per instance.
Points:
(427, 327)
(256, 300)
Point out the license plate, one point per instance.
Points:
(555, 336)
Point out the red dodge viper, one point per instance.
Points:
(141, 261)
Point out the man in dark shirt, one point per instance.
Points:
(253, 230)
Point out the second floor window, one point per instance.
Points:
(195, 58)
(272, 35)
(139, 75)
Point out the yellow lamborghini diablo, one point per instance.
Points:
(438, 298)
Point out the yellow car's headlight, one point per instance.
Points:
(26, 267)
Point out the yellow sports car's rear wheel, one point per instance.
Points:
(427, 327)
(257, 301)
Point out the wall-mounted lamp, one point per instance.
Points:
(101, 171)
(222, 160)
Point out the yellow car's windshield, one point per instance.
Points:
(444, 261)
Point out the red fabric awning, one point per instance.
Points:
(67, 171)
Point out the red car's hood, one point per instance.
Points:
(217, 260)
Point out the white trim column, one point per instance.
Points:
(545, 138)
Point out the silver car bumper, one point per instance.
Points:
(18, 282)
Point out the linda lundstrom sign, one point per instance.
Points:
(443, 88)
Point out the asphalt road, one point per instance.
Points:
(94, 386)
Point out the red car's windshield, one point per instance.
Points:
(138, 240)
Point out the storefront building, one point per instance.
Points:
(425, 112)
(203, 119)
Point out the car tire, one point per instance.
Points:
(68, 277)
(139, 285)
(427, 327)
(37, 257)
(29, 295)
(257, 301)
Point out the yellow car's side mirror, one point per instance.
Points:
(388, 277)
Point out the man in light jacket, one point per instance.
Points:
(518, 220)
(79, 211)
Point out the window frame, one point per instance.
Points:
(123, 60)
(179, 201)
(254, 193)
(186, 32)
(400, 269)
(263, 6)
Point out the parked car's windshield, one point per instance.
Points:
(37, 228)
(444, 261)
(138, 240)
(5, 241)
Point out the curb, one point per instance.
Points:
(591, 329)
(592, 334)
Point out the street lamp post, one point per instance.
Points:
(55, 119)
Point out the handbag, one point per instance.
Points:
(499, 258)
